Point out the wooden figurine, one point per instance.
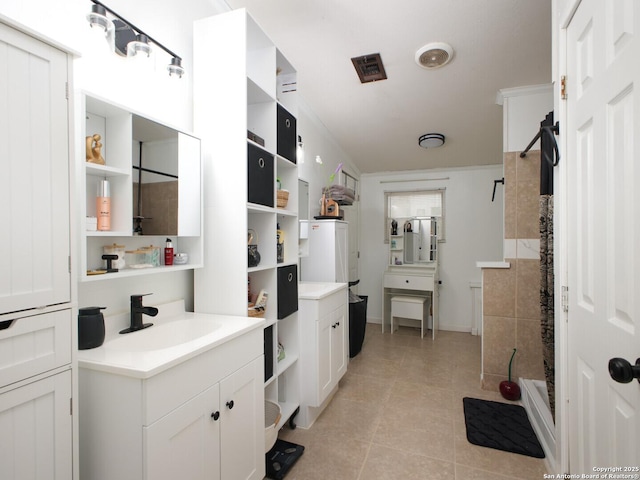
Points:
(93, 149)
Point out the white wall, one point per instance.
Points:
(147, 89)
(474, 230)
(318, 141)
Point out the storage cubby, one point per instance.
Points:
(126, 137)
(236, 113)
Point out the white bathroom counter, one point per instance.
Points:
(175, 337)
(318, 290)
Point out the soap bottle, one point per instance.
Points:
(103, 206)
(168, 253)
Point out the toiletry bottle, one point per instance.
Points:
(103, 206)
(168, 253)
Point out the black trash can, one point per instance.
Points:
(357, 320)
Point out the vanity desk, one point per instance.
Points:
(412, 268)
(410, 280)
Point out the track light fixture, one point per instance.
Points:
(129, 39)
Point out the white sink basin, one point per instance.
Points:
(166, 335)
(175, 336)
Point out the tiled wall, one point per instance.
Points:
(510, 296)
(159, 206)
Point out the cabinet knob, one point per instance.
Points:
(230, 404)
(335, 325)
(290, 277)
(215, 415)
(287, 122)
(406, 281)
(261, 162)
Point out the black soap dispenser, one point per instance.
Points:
(90, 327)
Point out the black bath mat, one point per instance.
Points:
(281, 458)
(501, 426)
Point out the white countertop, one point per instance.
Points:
(493, 264)
(318, 290)
(175, 336)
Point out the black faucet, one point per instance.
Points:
(136, 314)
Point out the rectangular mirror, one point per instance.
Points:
(420, 240)
(166, 180)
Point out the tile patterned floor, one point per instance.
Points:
(398, 415)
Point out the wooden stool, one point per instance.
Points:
(409, 307)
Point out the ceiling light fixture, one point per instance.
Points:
(434, 55)
(139, 45)
(98, 18)
(431, 140)
(129, 39)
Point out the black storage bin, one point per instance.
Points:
(260, 176)
(287, 291)
(357, 325)
(287, 136)
(268, 353)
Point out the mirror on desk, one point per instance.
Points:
(166, 180)
(413, 240)
(420, 240)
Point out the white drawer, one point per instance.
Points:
(35, 344)
(409, 282)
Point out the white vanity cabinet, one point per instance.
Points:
(200, 419)
(35, 397)
(324, 345)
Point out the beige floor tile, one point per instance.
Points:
(327, 457)
(385, 463)
(398, 415)
(365, 388)
(345, 418)
(420, 431)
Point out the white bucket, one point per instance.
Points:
(271, 419)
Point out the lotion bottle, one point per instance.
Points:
(103, 206)
(168, 253)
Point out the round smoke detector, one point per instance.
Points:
(434, 55)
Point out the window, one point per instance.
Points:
(400, 206)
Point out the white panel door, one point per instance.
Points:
(35, 421)
(603, 232)
(34, 185)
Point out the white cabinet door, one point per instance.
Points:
(34, 186)
(35, 421)
(186, 442)
(339, 344)
(325, 376)
(242, 423)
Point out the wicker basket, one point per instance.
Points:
(283, 198)
(252, 312)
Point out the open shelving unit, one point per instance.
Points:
(125, 134)
(245, 111)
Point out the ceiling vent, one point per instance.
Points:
(369, 68)
(434, 55)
